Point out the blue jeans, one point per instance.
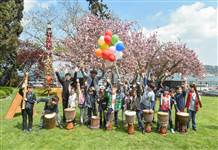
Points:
(192, 116)
(139, 114)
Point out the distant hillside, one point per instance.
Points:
(211, 69)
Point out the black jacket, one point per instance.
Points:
(49, 108)
(31, 99)
(65, 84)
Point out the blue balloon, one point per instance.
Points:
(120, 47)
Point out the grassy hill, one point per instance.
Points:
(84, 138)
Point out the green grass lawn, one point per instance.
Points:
(84, 138)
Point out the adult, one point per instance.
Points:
(66, 84)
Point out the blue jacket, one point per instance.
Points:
(180, 100)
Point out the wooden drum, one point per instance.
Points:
(70, 114)
(183, 119)
(49, 121)
(95, 122)
(130, 117)
(148, 118)
(163, 118)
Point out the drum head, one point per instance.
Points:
(49, 116)
(163, 113)
(130, 113)
(148, 111)
(95, 117)
(69, 109)
(182, 114)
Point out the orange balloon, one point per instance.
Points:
(98, 52)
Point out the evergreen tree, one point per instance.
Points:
(10, 29)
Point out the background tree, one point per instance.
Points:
(99, 9)
(10, 29)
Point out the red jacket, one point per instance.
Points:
(189, 100)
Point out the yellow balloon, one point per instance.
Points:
(100, 42)
(104, 46)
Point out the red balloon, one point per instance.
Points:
(107, 39)
(111, 57)
(109, 33)
(106, 54)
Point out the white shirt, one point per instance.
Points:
(147, 98)
(72, 101)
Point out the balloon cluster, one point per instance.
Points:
(110, 47)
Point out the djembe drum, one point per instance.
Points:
(70, 114)
(130, 117)
(110, 126)
(183, 119)
(49, 121)
(148, 118)
(163, 118)
(95, 122)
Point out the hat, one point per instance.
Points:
(94, 71)
(102, 87)
(67, 74)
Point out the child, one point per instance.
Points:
(166, 103)
(103, 99)
(91, 98)
(111, 105)
(51, 106)
(72, 102)
(192, 104)
(148, 98)
(28, 110)
(81, 103)
(118, 96)
(180, 102)
(133, 104)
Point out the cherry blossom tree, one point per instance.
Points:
(141, 53)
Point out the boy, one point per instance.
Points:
(147, 102)
(118, 95)
(180, 102)
(192, 105)
(103, 99)
(51, 106)
(28, 110)
(91, 98)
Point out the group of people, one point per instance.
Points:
(96, 95)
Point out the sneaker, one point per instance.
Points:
(194, 129)
(172, 131)
(25, 130)
(30, 129)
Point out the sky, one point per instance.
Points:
(188, 21)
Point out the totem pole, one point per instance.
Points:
(48, 62)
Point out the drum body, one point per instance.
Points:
(95, 122)
(163, 118)
(50, 121)
(183, 119)
(130, 116)
(70, 114)
(148, 118)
